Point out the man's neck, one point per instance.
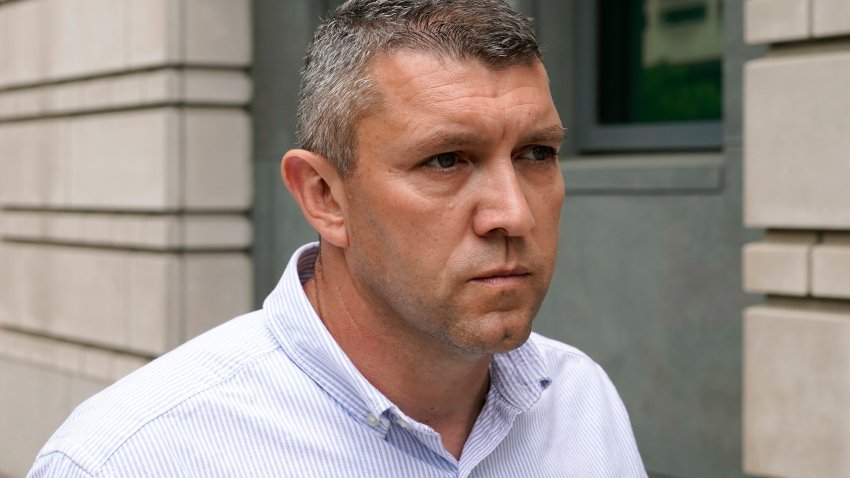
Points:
(441, 388)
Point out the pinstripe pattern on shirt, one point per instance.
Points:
(272, 394)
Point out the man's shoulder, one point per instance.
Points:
(573, 371)
(104, 422)
(555, 352)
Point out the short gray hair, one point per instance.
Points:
(336, 88)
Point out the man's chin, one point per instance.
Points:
(498, 336)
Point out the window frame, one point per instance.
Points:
(593, 137)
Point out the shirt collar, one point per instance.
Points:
(518, 376)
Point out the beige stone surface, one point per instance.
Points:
(153, 29)
(153, 304)
(71, 163)
(134, 89)
(216, 231)
(25, 54)
(138, 231)
(796, 365)
(830, 17)
(123, 365)
(33, 162)
(5, 47)
(50, 40)
(796, 141)
(831, 267)
(40, 398)
(779, 264)
(218, 287)
(139, 302)
(88, 288)
(217, 32)
(217, 154)
(216, 86)
(769, 21)
(135, 166)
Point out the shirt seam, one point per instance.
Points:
(72, 460)
(95, 471)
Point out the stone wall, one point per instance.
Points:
(797, 186)
(125, 178)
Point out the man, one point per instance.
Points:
(398, 346)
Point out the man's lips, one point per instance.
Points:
(503, 276)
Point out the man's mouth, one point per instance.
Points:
(504, 276)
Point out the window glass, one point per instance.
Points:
(659, 61)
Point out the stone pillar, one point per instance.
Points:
(797, 187)
(125, 179)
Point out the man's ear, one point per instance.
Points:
(317, 187)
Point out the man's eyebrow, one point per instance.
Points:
(553, 134)
(438, 139)
(447, 138)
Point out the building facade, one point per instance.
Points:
(140, 204)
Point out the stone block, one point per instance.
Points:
(64, 98)
(217, 154)
(89, 291)
(5, 48)
(130, 90)
(153, 302)
(216, 86)
(779, 264)
(796, 141)
(38, 399)
(216, 232)
(796, 364)
(66, 55)
(152, 28)
(125, 160)
(128, 230)
(160, 232)
(160, 87)
(30, 293)
(60, 227)
(97, 363)
(97, 94)
(22, 225)
(103, 35)
(68, 357)
(6, 278)
(217, 32)
(217, 288)
(831, 267)
(830, 17)
(27, 36)
(96, 229)
(768, 21)
(123, 365)
(32, 162)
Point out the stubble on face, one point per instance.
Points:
(444, 258)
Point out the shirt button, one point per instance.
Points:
(373, 420)
(404, 424)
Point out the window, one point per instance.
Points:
(650, 75)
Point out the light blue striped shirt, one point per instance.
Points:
(272, 394)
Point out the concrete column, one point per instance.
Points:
(797, 186)
(125, 182)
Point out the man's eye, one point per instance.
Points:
(442, 160)
(542, 153)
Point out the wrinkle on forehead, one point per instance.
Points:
(393, 74)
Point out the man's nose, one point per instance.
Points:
(503, 206)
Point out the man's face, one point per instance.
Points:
(452, 209)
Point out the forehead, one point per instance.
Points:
(416, 77)
(420, 94)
